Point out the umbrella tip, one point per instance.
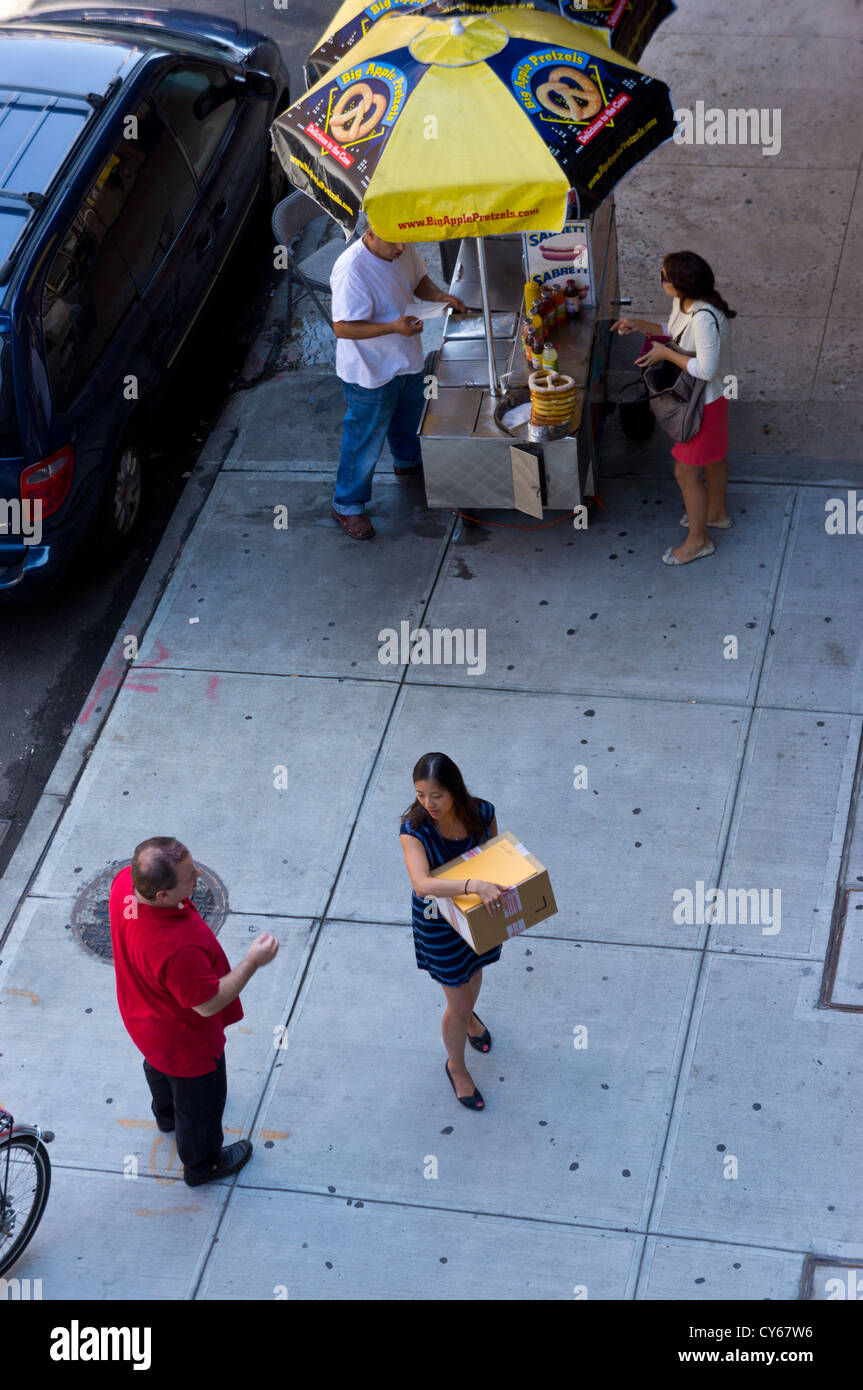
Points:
(456, 27)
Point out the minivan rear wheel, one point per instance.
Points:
(120, 508)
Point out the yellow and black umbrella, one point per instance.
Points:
(444, 128)
(624, 25)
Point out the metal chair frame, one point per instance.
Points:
(289, 218)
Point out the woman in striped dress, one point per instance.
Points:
(442, 823)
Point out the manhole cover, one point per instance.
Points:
(91, 927)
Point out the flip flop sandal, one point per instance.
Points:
(483, 1042)
(714, 525)
(671, 559)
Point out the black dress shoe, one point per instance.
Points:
(231, 1159)
(483, 1042)
(474, 1102)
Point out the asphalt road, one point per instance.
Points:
(50, 654)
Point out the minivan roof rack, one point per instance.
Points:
(95, 99)
(35, 200)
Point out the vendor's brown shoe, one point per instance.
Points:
(359, 527)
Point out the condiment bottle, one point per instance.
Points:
(531, 295)
(573, 299)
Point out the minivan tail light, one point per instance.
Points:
(49, 480)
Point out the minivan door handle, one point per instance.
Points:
(220, 211)
(203, 244)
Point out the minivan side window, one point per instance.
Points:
(198, 105)
(143, 194)
(86, 295)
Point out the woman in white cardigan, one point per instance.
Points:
(702, 316)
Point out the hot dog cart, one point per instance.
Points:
(471, 459)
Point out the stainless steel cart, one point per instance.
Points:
(471, 461)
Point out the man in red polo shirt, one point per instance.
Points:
(177, 993)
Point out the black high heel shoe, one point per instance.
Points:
(474, 1102)
(483, 1042)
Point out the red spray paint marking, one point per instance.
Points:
(111, 676)
(163, 654)
(212, 683)
(147, 665)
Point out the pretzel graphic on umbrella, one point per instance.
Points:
(356, 113)
(570, 94)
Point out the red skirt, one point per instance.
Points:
(710, 444)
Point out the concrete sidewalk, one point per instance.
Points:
(603, 1166)
(704, 1144)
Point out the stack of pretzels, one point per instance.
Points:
(552, 398)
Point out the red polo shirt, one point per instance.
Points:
(166, 961)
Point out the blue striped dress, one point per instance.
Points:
(439, 948)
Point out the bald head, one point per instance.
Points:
(163, 871)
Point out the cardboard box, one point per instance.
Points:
(502, 860)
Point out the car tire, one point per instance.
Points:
(119, 511)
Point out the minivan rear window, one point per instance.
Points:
(10, 429)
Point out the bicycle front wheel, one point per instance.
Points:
(24, 1187)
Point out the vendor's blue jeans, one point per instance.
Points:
(390, 412)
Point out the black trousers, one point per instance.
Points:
(195, 1106)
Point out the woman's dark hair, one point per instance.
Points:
(693, 277)
(437, 767)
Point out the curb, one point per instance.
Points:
(61, 785)
(57, 794)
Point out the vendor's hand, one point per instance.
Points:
(263, 949)
(657, 353)
(488, 892)
(407, 325)
(625, 326)
(455, 303)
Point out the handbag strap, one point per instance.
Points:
(704, 310)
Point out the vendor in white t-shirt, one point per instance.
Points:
(379, 360)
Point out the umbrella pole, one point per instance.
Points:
(493, 384)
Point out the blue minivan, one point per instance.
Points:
(134, 144)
